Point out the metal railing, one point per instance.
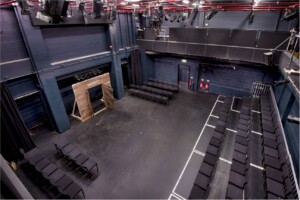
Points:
(258, 89)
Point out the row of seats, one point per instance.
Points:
(70, 152)
(240, 161)
(175, 85)
(201, 187)
(162, 86)
(148, 96)
(279, 179)
(50, 173)
(153, 90)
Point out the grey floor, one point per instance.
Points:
(141, 147)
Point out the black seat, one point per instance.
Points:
(237, 179)
(81, 159)
(234, 192)
(238, 167)
(271, 152)
(275, 188)
(220, 128)
(212, 150)
(210, 159)
(243, 134)
(48, 170)
(239, 157)
(243, 127)
(206, 169)
(197, 193)
(72, 190)
(56, 176)
(241, 140)
(215, 142)
(272, 162)
(240, 148)
(274, 174)
(202, 180)
(89, 165)
(218, 135)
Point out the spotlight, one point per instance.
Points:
(290, 14)
(212, 13)
(113, 14)
(167, 17)
(174, 18)
(251, 17)
(179, 18)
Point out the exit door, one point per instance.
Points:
(184, 73)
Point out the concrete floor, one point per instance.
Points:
(141, 147)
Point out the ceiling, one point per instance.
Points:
(183, 5)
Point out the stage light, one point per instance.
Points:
(179, 18)
(167, 17)
(290, 14)
(212, 13)
(185, 2)
(251, 17)
(174, 18)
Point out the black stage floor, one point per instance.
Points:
(141, 147)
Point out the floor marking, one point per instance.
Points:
(228, 129)
(193, 148)
(256, 166)
(235, 111)
(257, 133)
(220, 101)
(224, 160)
(214, 116)
(220, 96)
(232, 103)
(174, 197)
(210, 126)
(178, 196)
(199, 152)
(255, 111)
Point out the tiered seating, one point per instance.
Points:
(149, 96)
(70, 152)
(162, 86)
(279, 182)
(153, 90)
(50, 172)
(206, 172)
(240, 161)
(174, 85)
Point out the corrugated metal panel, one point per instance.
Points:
(70, 42)
(32, 110)
(12, 45)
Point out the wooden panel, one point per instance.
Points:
(82, 98)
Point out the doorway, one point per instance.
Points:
(125, 74)
(183, 76)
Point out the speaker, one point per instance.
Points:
(65, 8)
(268, 58)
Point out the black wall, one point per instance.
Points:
(71, 42)
(223, 78)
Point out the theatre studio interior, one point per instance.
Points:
(149, 99)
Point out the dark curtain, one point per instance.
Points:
(14, 134)
(136, 68)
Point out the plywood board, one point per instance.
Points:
(82, 98)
